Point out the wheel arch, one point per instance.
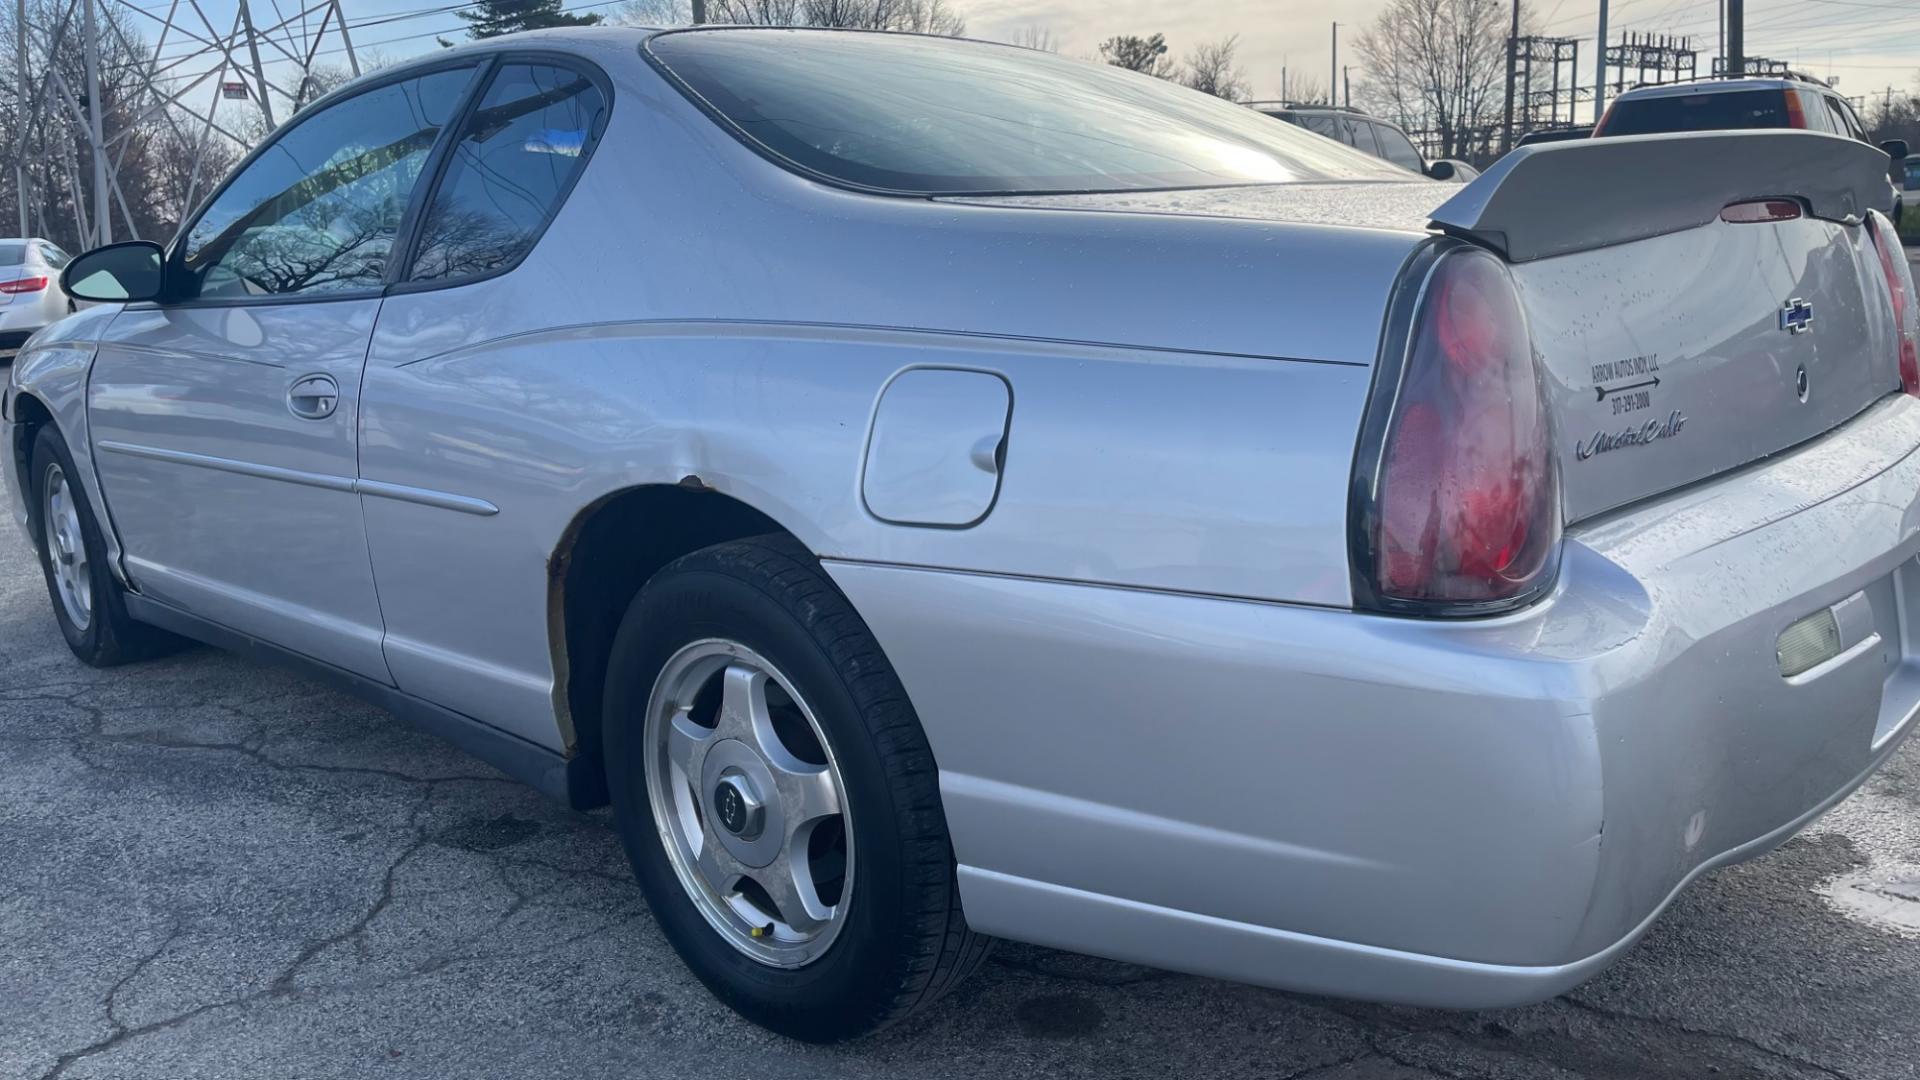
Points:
(30, 415)
(610, 549)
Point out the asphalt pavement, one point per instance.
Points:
(210, 868)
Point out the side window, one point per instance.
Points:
(1819, 117)
(513, 164)
(318, 210)
(53, 256)
(1397, 148)
(1323, 125)
(1844, 120)
(1363, 137)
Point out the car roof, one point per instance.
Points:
(1717, 86)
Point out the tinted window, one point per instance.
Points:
(318, 211)
(1818, 117)
(53, 256)
(1397, 148)
(1328, 126)
(1698, 112)
(513, 164)
(1843, 119)
(12, 252)
(928, 115)
(1363, 137)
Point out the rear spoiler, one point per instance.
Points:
(1556, 198)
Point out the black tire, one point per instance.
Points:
(111, 637)
(906, 941)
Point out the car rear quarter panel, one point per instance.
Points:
(1185, 392)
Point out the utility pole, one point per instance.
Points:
(1513, 44)
(1283, 81)
(1346, 83)
(1600, 69)
(699, 12)
(20, 104)
(1333, 72)
(1736, 37)
(259, 75)
(102, 211)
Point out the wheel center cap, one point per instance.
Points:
(737, 806)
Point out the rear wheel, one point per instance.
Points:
(87, 601)
(777, 797)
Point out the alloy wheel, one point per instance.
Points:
(66, 547)
(749, 803)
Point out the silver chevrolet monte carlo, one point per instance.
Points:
(935, 489)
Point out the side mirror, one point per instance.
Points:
(1441, 170)
(116, 274)
(1895, 148)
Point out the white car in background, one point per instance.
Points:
(30, 292)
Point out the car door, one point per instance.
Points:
(459, 489)
(223, 420)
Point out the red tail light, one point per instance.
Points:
(1906, 307)
(1796, 111)
(1456, 505)
(23, 285)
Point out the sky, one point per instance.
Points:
(1867, 44)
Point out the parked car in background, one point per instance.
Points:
(30, 292)
(1720, 104)
(1382, 588)
(1370, 134)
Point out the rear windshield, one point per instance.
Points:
(1698, 112)
(12, 253)
(930, 115)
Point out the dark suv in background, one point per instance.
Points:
(1777, 101)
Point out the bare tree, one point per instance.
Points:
(1147, 55)
(1439, 65)
(653, 13)
(1307, 90)
(915, 16)
(1212, 69)
(754, 12)
(1036, 36)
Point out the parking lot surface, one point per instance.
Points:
(216, 869)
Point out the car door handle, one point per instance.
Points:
(313, 397)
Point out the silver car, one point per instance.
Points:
(30, 292)
(935, 489)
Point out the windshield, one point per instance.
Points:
(941, 116)
(12, 252)
(1698, 112)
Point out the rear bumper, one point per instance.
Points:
(1470, 813)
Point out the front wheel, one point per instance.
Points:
(777, 797)
(87, 601)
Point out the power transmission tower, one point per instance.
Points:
(163, 85)
(1545, 83)
(1653, 58)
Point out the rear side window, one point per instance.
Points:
(514, 163)
(925, 116)
(1698, 112)
(1363, 137)
(1328, 126)
(1397, 148)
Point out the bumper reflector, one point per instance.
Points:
(1809, 643)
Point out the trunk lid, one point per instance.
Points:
(1676, 345)
(1673, 359)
